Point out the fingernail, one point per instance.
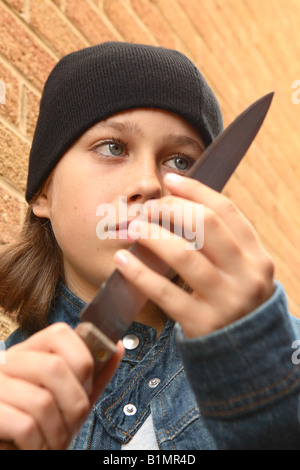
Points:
(121, 258)
(174, 178)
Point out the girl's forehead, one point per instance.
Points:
(136, 121)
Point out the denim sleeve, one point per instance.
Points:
(246, 380)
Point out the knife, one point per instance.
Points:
(107, 317)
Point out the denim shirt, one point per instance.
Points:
(236, 388)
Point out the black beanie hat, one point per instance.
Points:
(92, 84)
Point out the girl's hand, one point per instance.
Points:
(46, 389)
(230, 275)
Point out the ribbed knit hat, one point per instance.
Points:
(92, 84)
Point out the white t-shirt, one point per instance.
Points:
(144, 439)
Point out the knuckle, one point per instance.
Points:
(211, 220)
(258, 288)
(182, 256)
(162, 292)
(26, 429)
(226, 205)
(82, 406)
(44, 401)
(60, 328)
(55, 365)
(269, 267)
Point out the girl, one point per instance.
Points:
(207, 362)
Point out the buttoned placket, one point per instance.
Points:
(126, 402)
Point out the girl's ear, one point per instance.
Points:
(40, 207)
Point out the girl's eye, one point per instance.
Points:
(110, 148)
(180, 163)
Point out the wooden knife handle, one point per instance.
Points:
(102, 349)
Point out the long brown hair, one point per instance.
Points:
(29, 272)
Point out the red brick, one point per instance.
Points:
(11, 214)
(126, 22)
(61, 37)
(32, 106)
(23, 50)
(14, 158)
(155, 23)
(180, 23)
(90, 21)
(18, 5)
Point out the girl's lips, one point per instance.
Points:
(121, 229)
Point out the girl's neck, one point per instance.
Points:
(152, 315)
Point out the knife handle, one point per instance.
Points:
(101, 348)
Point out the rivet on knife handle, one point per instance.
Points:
(100, 346)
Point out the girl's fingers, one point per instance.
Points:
(60, 339)
(169, 297)
(190, 264)
(52, 368)
(50, 371)
(208, 231)
(193, 190)
(40, 404)
(20, 428)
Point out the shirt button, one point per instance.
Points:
(129, 409)
(131, 341)
(153, 383)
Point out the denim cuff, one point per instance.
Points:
(245, 365)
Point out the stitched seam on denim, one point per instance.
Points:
(174, 427)
(252, 405)
(79, 308)
(255, 392)
(119, 399)
(165, 422)
(181, 368)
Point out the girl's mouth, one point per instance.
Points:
(121, 230)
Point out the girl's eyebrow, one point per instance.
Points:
(127, 126)
(183, 140)
(133, 128)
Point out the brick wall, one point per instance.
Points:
(245, 48)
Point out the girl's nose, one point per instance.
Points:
(145, 184)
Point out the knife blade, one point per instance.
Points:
(107, 317)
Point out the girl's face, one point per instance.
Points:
(125, 155)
